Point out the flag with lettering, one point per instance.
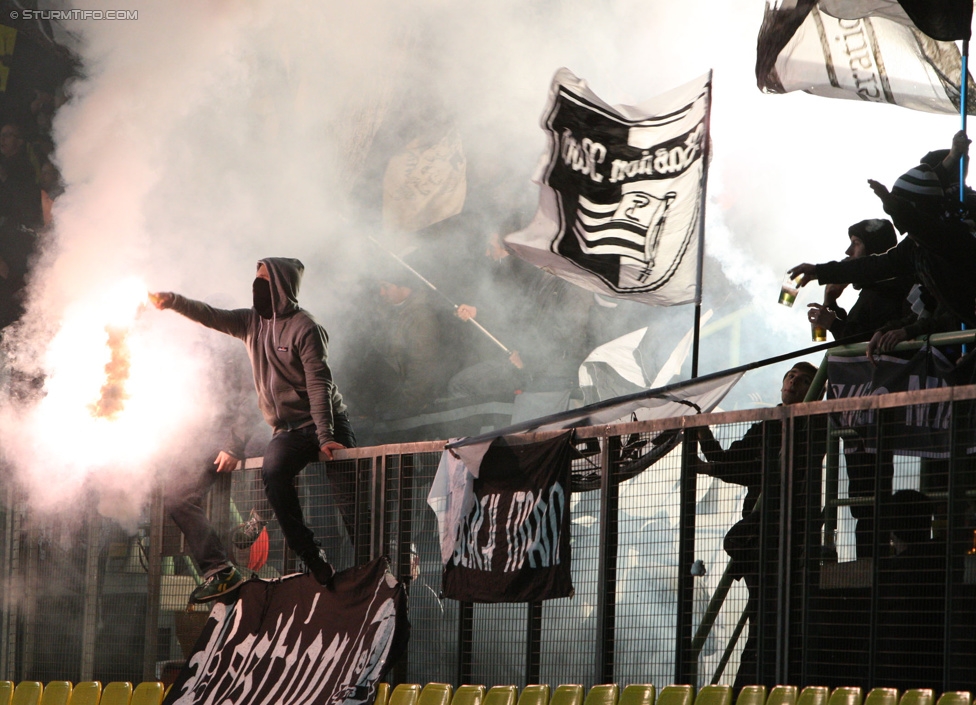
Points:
(504, 522)
(879, 51)
(621, 192)
(916, 429)
(292, 640)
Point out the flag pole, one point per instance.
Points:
(437, 291)
(706, 153)
(963, 87)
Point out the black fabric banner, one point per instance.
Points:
(513, 543)
(945, 20)
(293, 641)
(920, 429)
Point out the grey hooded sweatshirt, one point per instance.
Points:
(288, 352)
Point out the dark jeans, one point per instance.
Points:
(184, 500)
(287, 454)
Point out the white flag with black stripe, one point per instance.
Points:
(869, 50)
(621, 193)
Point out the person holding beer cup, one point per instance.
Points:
(877, 303)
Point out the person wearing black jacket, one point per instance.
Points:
(939, 252)
(878, 302)
(743, 463)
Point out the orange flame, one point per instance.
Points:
(113, 393)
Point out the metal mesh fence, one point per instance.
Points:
(838, 553)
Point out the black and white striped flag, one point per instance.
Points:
(621, 193)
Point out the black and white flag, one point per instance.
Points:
(504, 522)
(877, 51)
(919, 429)
(621, 192)
(293, 641)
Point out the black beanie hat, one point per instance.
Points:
(935, 157)
(920, 185)
(878, 235)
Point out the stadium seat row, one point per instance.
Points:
(644, 694)
(85, 693)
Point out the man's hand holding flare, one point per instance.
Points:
(162, 299)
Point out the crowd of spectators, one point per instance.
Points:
(935, 260)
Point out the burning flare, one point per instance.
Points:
(113, 393)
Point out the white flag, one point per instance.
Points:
(621, 189)
(860, 50)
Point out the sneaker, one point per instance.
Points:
(320, 568)
(217, 585)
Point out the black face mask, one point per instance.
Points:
(262, 298)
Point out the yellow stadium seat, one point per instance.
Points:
(751, 695)
(845, 696)
(917, 696)
(382, 694)
(86, 693)
(147, 693)
(27, 693)
(882, 696)
(714, 695)
(6, 692)
(955, 697)
(501, 695)
(405, 694)
(568, 694)
(813, 695)
(676, 695)
(782, 695)
(436, 694)
(605, 694)
(56, 693)
(637, 694)
(535, 694)
(468, 695)
(117, 693)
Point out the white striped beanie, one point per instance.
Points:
(918, 183)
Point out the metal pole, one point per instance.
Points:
(963, 89)
(433, 288)
(89, 618)
(686, 671)
(706, 152)
(607, 564)
(154, 561)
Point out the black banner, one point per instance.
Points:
(919, 429)
(513, 542)
(293, 641)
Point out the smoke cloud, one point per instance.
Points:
(205, 135)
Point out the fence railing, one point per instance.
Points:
(91, 601)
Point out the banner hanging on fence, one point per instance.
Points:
(293, 641)
(920, 429)
(621, 192)
(863, 50)
(504, 524)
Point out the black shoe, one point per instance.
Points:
(320, 568)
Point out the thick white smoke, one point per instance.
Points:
(205, 135)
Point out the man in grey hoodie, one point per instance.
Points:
(297, 396)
